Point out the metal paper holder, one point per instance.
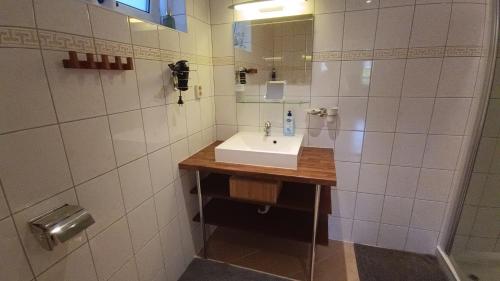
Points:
(60, 225)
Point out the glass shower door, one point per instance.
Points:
(475, 250)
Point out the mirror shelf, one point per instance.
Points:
(258, 99)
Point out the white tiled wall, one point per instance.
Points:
(403, 74)
(107, 140)
(77, 136)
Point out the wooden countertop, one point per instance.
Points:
(316, 166)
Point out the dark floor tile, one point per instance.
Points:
(378, 264)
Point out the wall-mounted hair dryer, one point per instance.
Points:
(180, 74)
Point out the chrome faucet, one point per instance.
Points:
(267, 128)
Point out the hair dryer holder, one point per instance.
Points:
(180, 77)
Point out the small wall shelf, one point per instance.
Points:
(91, 63)
(258, 99)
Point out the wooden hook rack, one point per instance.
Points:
(90, 62)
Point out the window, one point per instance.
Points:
(149, 10)
(142, 5)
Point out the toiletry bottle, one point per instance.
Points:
(289, 128)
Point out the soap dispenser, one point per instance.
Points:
(289, 128)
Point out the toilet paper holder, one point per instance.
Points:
(60, 224)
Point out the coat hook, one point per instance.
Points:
(91, 63)
(104, 62)
(73, 61)
(130, 64)
(118, 63)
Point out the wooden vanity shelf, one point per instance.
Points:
(290, 217)
(90, 63)
(253, 189)
(295, 196)
(300, 211)
(279, 222)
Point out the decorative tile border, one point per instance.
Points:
(203, 60)
(18, 37)
(112, 48)
(29, 38)
(169, 56)
(463, 51)
(191, 58)
(385, 54)
(146, 53)
(219, 61)
(357, 55)
(65, 42)
(426, 52)
(402, 53)
(327, 56)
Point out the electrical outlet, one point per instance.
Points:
(198, 91)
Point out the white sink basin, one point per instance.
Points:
(254, 148)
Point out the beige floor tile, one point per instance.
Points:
(335, 262)
(272, 262)
(228, 252)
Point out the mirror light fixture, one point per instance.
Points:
(263, 9)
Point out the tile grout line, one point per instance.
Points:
(147, 158)
(395, 134)
(127, 212)
(337, 128)
(111, 136)
(430, 122)
(464, 140)
(364, 127)
(16, 229)
(455, 171)
(42, 57)
(90, 117)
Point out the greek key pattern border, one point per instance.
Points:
(147, 53)
(169, 56)
(50, 40)
(112, 48)
(17, 37)
(401, 53)
(192, 58)
(465, 51)
(203, 60)
(219, 61)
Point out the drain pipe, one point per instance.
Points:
(264, 209)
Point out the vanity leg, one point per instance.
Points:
(315, 226)
(202, 219)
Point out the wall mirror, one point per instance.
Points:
(273, 59)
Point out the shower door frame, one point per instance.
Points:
(451, 230)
